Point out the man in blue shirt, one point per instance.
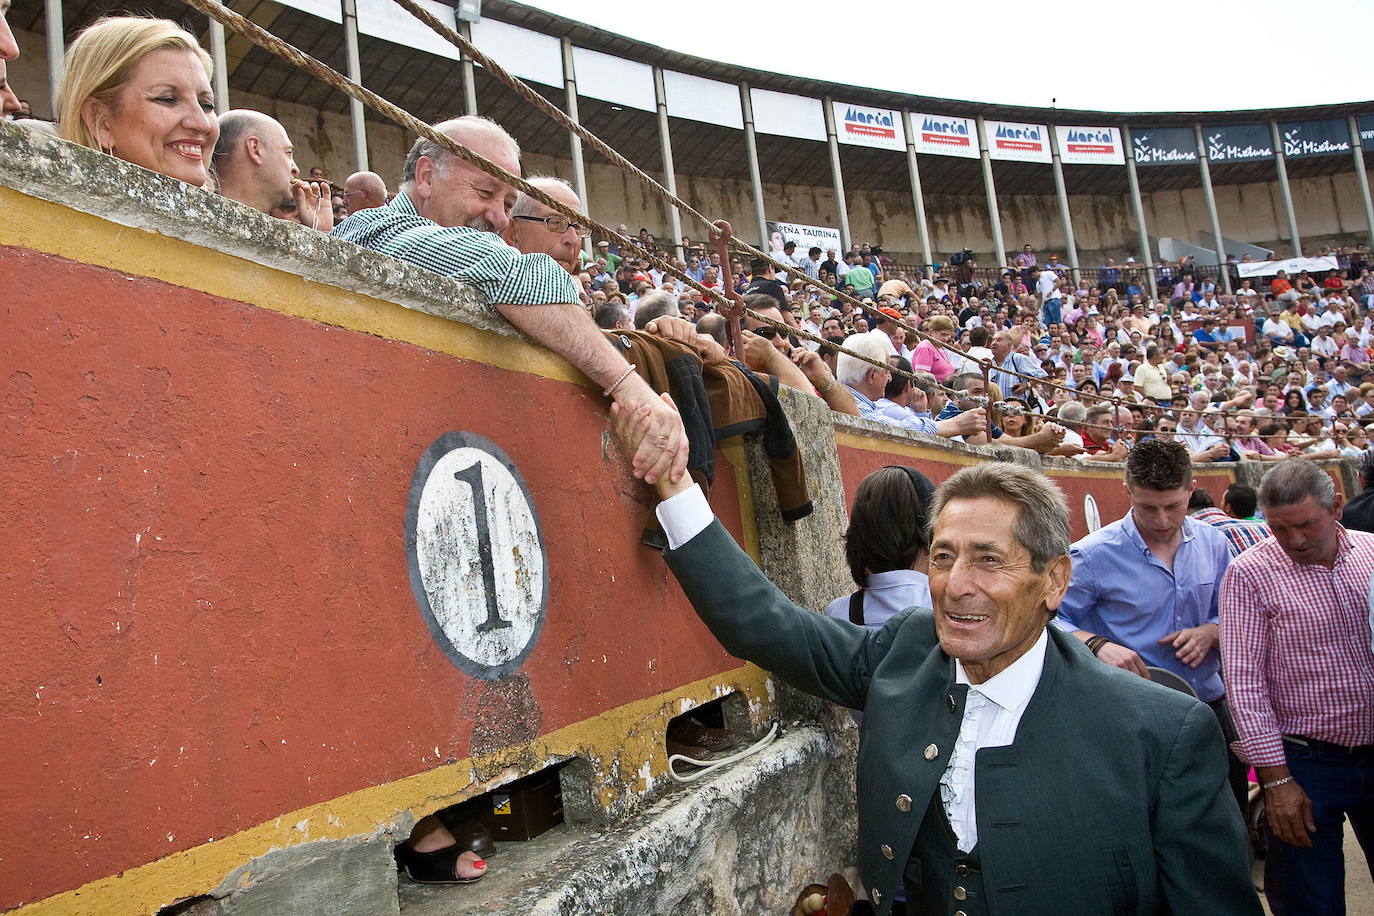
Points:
(1144, 588)
(1004, 353)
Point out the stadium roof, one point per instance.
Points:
(430, 87)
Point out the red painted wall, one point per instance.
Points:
(208, 615)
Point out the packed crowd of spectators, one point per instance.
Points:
(1264, 372)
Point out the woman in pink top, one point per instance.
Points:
(928, 356)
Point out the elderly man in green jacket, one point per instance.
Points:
(1002, 769)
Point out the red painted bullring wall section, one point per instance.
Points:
(209, 620)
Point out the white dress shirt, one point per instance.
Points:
(992, 711)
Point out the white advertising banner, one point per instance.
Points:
(390, 22)
(859, 125)
(806, 237)
(1289, 265)
(325, 9)
(1090, 145)
(1012, 141)
(787, 115)
(700, 99)
(614, 79)
(940, 135)
(529, 55)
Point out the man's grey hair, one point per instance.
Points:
(1095, 412)
(609, 314)
(850, 370)
(653, 305)
(716, 326)
(924, 381)
(1073, 412)
(1042, 518)
(1292, 481)
(441, 157)
(525, 205)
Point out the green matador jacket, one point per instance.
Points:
(1112, 799)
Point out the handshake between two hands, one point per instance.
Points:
(653, 434)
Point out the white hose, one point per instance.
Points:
(708, 765)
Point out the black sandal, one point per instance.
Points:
(437, 867)
(440, 866)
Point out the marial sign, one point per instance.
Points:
(476, 555)
(859, 125)
(942, 135)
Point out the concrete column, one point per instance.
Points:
(470, 76)
(841, 206)
(221, 62)
(751, 147)
(918, 198)
(355, 73)
(1139, 206)
(1281, 165)
(57, 47)
(1064, 217)
(574, 141)
(1211, 199)
(665, 141)
(1362, 177)
(994, 217)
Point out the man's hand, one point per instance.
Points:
(812, 366)
(683, 331)
(1287, 809)
(636, 429)
(1118, 656)
(760, 354)
(314, 207)
(660, 447)
(969, 423)
(1218, 451)
(1192, 644)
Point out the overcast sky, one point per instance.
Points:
(1166, 55)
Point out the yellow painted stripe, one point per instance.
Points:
(633, 730)
(911, 450)
(41, 225)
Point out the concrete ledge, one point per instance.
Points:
(741, 841)
(90, 181)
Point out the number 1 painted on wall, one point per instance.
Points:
(472, 476)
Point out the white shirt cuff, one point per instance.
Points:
(684, 516)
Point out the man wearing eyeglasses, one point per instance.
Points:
(536, 229)
(447, 217)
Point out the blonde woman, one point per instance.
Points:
(139, 89)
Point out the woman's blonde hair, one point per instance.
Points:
(937, 323)
(101, 60)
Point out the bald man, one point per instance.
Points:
(363, 191)
(536, 229)
(448, 217)
(255, 164)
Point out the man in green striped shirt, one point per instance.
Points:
(446, 218)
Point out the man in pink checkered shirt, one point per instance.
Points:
(1296, 651)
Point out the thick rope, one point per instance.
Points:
(564, 120)
(328, 75)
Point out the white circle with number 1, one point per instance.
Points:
(479, 557)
